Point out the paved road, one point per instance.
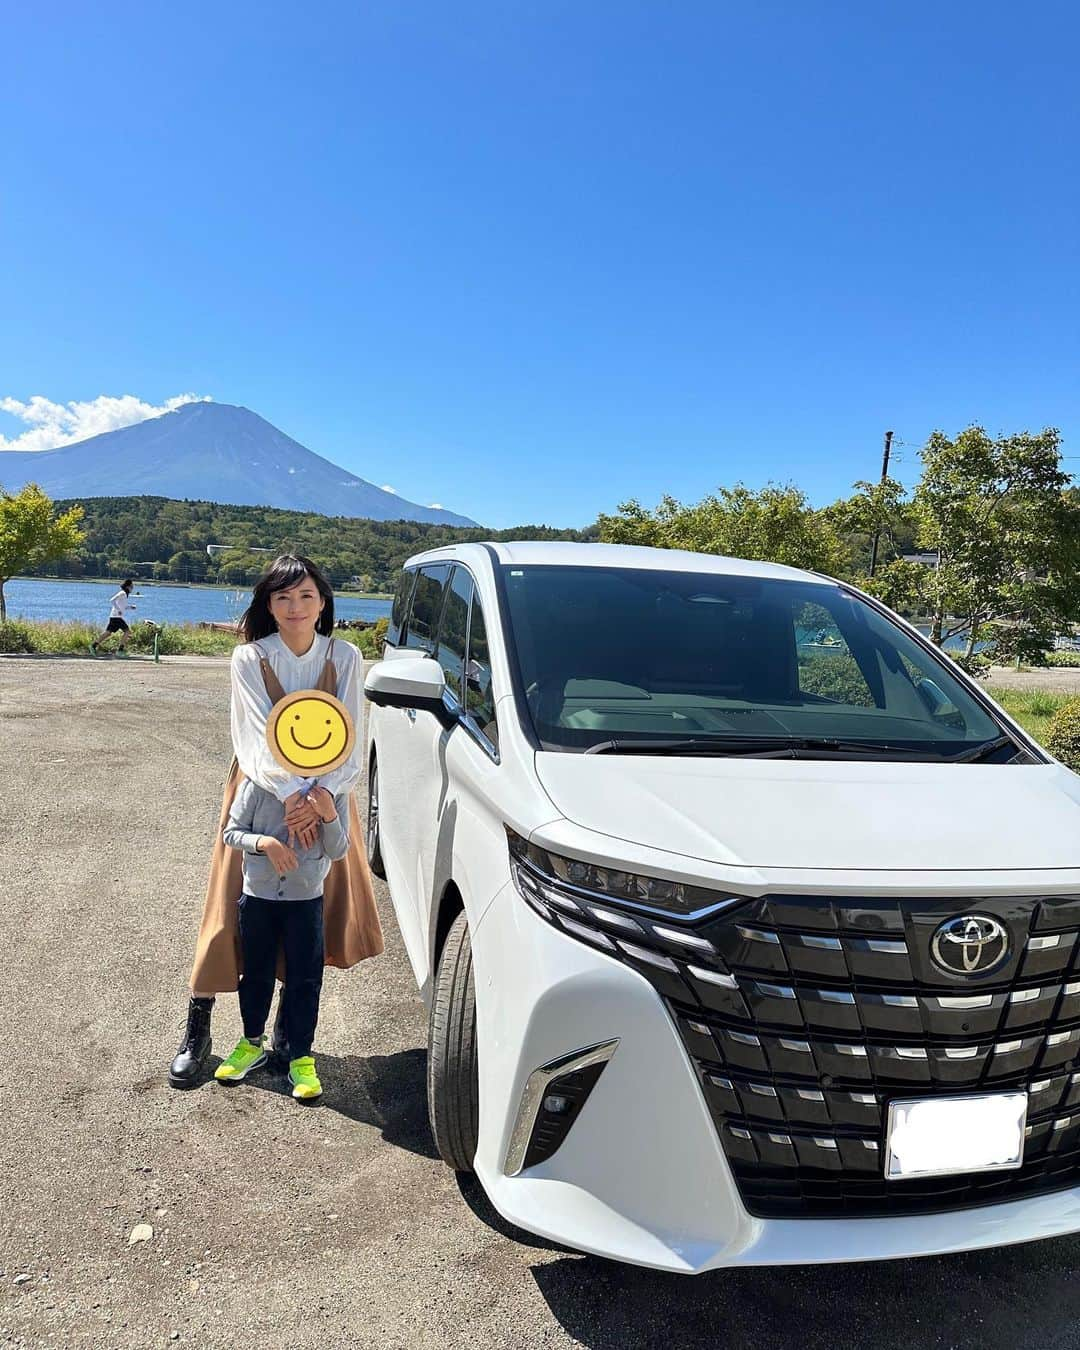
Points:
(277, 1225)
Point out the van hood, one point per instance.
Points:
(836, 814)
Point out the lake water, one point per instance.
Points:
(88, 602)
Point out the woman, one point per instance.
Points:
(288, 645)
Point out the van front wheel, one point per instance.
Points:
(453, 1082)
(372, 840)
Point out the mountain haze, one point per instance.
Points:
(214, 452)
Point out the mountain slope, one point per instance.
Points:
(211, 452)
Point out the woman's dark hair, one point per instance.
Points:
(127, 584)
(284, 572)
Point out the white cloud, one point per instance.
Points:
(54, 424)
(387, 488)
(436, 506)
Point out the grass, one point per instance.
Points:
(73, 639)
(1032, 708)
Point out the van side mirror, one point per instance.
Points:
(414, 682)
(473, 671)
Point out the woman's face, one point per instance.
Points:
(297, 609)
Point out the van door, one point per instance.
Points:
(404, 742)
(427, 775)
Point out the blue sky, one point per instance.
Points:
(530, 259)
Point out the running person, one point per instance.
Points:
(121, 603)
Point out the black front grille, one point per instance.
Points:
(806, 1016)
(835, 1009)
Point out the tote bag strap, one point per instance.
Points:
(328, 680)
(274, 688)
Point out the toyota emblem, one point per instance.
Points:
(970, 945)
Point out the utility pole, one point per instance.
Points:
(884, 475)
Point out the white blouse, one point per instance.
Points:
(251, 706)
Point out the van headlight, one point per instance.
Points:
(588, 889)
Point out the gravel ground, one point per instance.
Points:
(1059, 680)
(274, 1224)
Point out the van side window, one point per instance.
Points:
(450, 652)
(426, 607)
(828, 669)
(479, 699)
(400, 612)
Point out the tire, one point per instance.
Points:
(372, 838)
(453, 1081)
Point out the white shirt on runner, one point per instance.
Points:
(251, 707)
(120, 603)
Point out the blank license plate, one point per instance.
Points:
(941, 1136)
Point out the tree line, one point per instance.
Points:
(985, 548)
(166, 540)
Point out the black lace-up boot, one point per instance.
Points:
(186, 1069)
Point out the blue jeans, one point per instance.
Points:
(296, 926)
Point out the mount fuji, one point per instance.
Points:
(214, 452)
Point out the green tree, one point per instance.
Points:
(775, 524)
(187, 565)
(31, 533)
(1006, 534)
(877, 510)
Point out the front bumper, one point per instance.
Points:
(642, 1176)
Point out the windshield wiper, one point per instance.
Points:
(756, 747)
(689, 745)
(983, 751)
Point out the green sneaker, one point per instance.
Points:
(248, 1055)
(305, 1080)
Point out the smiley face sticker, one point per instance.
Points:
(310, 732)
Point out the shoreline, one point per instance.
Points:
(185, 585)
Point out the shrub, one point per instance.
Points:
(16, 636)
(68, 638)
(175, 639)
(1063, 734)
(368, 640)
(836, 676)
(1066, 660)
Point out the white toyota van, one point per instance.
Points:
(747, 923)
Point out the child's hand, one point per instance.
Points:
(281, 855)
(302, 820)
(323, 803)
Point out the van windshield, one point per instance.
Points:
(617, 659)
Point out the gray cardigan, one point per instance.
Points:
(256, 812)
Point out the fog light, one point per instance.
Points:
(551, 1102)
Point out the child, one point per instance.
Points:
(121, 603)
(282, 906)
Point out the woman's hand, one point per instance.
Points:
(302, 820)
(281, 855)
(323, 803)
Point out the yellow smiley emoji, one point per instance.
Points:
(310, 732)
